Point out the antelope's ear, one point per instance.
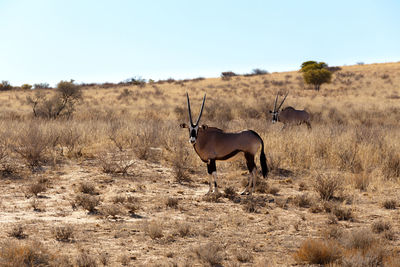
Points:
(204, 126)
(183, 125)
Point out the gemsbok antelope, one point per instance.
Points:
(289, 115)
(212, 144)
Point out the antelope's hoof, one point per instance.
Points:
(245, 193)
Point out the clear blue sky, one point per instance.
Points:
(98, 40)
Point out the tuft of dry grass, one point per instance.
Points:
(327, 186)
(303, 200)
(315, 251)
(172, 202)
(64, 233)
(36, 188)
(113, 210)
(84, 259)
(88, 188)
(362, 181)
(243, 256)
(380, 226)
(17, 232)
(390, 204)
(88, 202)
(154, 230)
(210, 254)
(30, 253)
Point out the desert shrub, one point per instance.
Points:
(132, 205)
(37, 205)
(342, 213)
(72, 138)
(380, 226)
(119, 199)
(116, 163)
(227, 75)
(16, 253)
(390, 204)
(26, 86)
(361, 181)
(259, 72)
(251, 205)
(303, 200)
(112, 210)
(333, 232)
(274, 162)
(5, 86)
(230, 192)
(36, 188)
(243, 256)
(146, 139)
(88, 188)
(88, 202)
(119, 134)
(154, 230)
(63, 233)
(84, 259)
(209, 254)
(61, 104)
(41, 86)
(171, 203)
(349, 159)
(183, 229)
(318, 252)
(273, 190)
(391, 165)
(17, 232)
(315, 73)
(32, 144)
(362, 239)
(181, 164)
(327, 186)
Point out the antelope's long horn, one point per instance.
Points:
(283, 100)
(201, 111)
(190, 112)
(276, 100)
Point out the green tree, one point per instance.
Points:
(315, 73)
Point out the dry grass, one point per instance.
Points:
(318, 252)
(64, 233)
(124, 142)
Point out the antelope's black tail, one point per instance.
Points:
(263, 159)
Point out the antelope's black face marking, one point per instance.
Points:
(193, 134)
(274, 116)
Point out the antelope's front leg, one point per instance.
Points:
(212, 172)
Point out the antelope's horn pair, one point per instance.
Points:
(276, 100)
(190, 112)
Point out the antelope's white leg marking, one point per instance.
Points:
(210, 181)
(214, 174)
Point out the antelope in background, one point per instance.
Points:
(212, 144)
(289, 115)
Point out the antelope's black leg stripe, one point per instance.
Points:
(211, 167)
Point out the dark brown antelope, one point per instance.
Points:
(212, 144)
(289, 115)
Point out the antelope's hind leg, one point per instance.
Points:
(251, 166)
(212, 174)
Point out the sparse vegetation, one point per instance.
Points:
(114, 163)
